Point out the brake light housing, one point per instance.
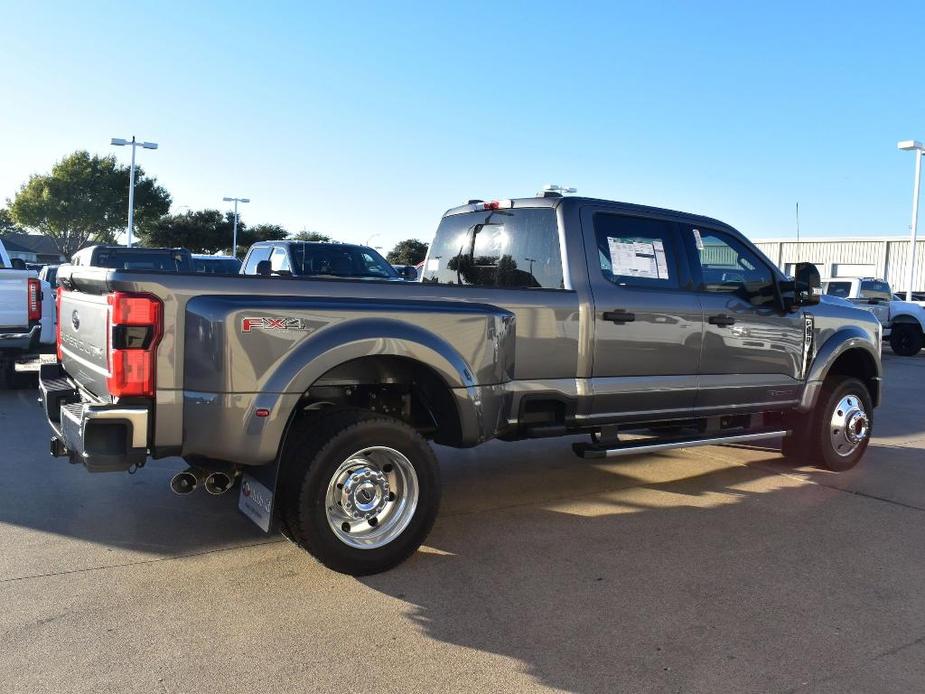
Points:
(58, 322)
(34, 299)
(135, 329)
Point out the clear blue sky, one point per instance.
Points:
(358, 119)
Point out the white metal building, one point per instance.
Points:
(884, 257)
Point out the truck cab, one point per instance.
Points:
(317, 259)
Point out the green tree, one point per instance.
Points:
(201, 231)
(407, 252)
(260, 232)
(7, 225)
(84, 200)
(311, 236)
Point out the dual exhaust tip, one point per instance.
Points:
(215, 483)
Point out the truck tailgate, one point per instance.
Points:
(84, 320)
(13, 294)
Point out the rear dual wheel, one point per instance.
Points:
(836, 433)
(360, 490)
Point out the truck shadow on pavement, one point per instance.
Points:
(736, 578)
(114, 511)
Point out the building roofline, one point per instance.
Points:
(834, 239)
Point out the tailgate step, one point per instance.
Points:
(638, 446)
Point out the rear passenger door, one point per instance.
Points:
(647, 319)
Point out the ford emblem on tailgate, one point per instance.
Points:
(75, 319)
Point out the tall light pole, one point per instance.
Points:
(919, 149)
(234, 234)
(119, 142)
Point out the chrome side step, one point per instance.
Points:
(586, 450)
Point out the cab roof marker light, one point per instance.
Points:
(494, 205)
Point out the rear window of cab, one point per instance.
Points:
(515, 248)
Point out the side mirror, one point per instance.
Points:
(807, 285)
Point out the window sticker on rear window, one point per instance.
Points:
(433, 264)
(633, 258)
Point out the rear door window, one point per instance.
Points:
(637, 251)
(512, 248)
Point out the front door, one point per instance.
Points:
(647, 319)
(752, 349)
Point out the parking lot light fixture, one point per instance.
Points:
(234, 233)
(121, 142)
(919, 149)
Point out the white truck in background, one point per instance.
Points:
(20, 315)
(903, 321)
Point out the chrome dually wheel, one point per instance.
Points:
(849, 425)
(371, 497)
(359, 490)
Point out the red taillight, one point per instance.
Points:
(35, 299)
(134, 331)
(58, 321)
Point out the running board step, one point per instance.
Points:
(587, 450)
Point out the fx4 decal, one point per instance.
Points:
(251, 323)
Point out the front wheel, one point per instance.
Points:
(906, 340)
(837, 432)
(361, 490)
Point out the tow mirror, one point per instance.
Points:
(807, 285)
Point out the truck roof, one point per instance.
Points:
(308, 243)
(570, 200)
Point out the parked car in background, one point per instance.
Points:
(135, 258)
(903, 322)
(49, 273)
(20, 314)
(216, 264)
(313, 259)
(409, 273)
(537, 317)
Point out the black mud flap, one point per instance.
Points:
(257, 498)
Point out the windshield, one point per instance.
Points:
(337, 260)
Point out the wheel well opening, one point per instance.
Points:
(859, 364)
(396, 386)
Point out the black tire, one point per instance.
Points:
(906, 340)
(315, 448)
(812, 437)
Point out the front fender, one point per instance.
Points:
(841, 341)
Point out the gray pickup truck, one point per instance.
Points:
(644, 328)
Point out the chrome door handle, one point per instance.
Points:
(619, 316)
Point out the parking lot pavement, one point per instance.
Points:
(711, 569)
